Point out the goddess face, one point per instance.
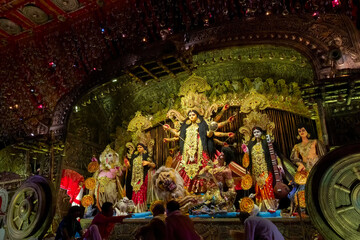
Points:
(257, 133)
(302, 132)
(192, 116)
(140, 149)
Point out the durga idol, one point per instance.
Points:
(197, 148)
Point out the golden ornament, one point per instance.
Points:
(90, 183)
(246, 160)
(246, 182)
(301, 177)
(301, 201)
(93, 167)
(246, 204)
(87, 200)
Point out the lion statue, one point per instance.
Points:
(169, 185)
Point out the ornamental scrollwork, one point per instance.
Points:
(254, 101)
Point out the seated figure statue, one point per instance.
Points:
(220, 186)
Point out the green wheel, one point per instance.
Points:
(333, 194)
(31, 210)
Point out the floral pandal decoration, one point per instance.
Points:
(93, 167)
(90, 183)
(87, 200)
(246, 204)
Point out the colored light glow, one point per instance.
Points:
(40, 106)
(114, 80)
(52, 64)
(335, 3)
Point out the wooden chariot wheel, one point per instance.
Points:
(31, 210)
(333, 194)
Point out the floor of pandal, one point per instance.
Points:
(219, 228)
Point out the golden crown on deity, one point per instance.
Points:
(192, 95)
(253, 102)
(256, 119)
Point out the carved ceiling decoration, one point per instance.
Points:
(55, 50)
(67, 5)
(9, 26)
(35, 14)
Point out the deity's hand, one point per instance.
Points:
(301, 167)
(166, 127)
(230, 119)
(281, 169)
(231, 135)
(126, 164)
(165, 140)
(144, 163)
(244, 148)
(226, 107)
(226, 144)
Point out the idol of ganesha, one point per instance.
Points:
(108, 187)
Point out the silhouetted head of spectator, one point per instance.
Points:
(74, 212)
(172, 206)
(107, 209)
(243, 216)
(158, 209)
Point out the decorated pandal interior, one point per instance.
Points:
(216, 155)
(225, 106)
